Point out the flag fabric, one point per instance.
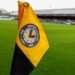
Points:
(31, 42)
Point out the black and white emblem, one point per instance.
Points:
(29, 35)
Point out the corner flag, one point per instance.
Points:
(31, 42)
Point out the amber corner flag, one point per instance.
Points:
(31, 42)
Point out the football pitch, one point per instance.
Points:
(58, 60)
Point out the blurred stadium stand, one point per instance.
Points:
(50, 15)
(57, 15)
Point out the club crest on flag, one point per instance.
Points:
(29, 35)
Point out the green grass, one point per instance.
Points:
(58, 60)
